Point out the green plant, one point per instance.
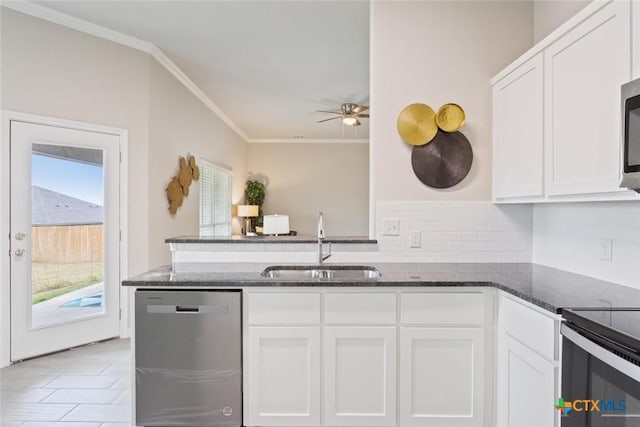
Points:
(254, 194)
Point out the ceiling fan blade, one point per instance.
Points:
(360, 108)
(330, 112)
(332, 118)
(357, 123)
(363, 115)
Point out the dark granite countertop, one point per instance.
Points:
(546, 287)
(268, 239)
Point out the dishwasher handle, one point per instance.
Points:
(187, 309)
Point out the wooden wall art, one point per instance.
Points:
(441, 156)
(178, 188)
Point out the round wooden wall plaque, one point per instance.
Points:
(444, 162)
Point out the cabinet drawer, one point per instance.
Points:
(284, 308)
(360, 308)
(529, 327)
(442, 308)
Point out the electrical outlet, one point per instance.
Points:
(391, 227)
(606, 249)
(414, 239)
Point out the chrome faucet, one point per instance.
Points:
(322, 255)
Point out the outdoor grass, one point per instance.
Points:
(47, 295)
(53, 279)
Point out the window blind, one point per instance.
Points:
(215, 200)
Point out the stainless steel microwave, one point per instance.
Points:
(631, 135)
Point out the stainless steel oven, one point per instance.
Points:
(631, 135)
(600, 368)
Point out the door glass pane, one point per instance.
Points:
(67, 234)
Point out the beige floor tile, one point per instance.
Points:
(124, 398)
(102, 413)
(24, 395)
(118, 369)
(73, 395)
(35, 411)
(58, 424)
(123, 383)
(83, 381)
(80, 380)
(27, 381)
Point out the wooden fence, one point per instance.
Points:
(67, 243)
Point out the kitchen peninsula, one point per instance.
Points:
(400, 344)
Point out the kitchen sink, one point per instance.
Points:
(326, 272)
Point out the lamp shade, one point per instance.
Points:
(276, 224)
(248, 210)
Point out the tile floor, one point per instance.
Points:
(84, 387)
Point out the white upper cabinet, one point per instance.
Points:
(556, 125)
(584, 71)
(518, 132)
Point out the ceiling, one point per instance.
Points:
(268, 65)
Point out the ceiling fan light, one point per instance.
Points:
(350, 121)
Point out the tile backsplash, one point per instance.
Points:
(456, 231)
(449, 232)
(570, 236)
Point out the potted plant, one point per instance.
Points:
(254, 194)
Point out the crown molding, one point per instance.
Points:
(306, 141)
(167, 63)
(78, 24)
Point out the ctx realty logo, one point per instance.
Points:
(588, 405)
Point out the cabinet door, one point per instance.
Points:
(360, 376)
(518, 132)
(441, 377)
(284, 376)
(526, 387)
(583, 73)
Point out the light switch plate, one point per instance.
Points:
(606, 249)
(391, 227)
(414, 239)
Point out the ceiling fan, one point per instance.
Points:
(349, 113)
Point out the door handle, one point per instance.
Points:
(19, 252)
(20, 236)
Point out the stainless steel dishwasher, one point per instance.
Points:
(188, 358)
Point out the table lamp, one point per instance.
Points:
(248, 212)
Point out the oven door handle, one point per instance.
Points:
(601, 353)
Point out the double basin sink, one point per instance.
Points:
(322, 272)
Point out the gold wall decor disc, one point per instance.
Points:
(450, 117)
(417, 124)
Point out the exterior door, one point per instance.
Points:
(64, 230)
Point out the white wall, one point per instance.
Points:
(54, 71)
(307, 178)
(180, 124)
(569, 236)
(550, 14)
(438, 52)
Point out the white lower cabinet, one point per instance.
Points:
(359, 376)
(528, 365)
(284, 372)
(441, 377)
(526, 387)
(385, 358)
